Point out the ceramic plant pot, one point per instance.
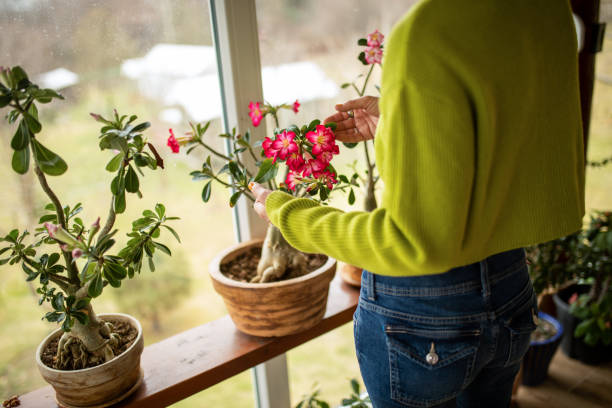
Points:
(276, 308)
(350, 274)
(99, 386)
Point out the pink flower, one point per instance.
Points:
(284, 144)
(173, 143)
(295, 162)
(292, 180)
(77, 253)
(313, 167)
(323, 140)
(375, 39)
(96, 224)
(255, 113)
(51, 229)
(328, 178)
(296, 106)
(373, 55)
(573, 299)
(325, 157)
(269, 151)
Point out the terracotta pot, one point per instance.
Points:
(99, 386)
(276, 308)
(350, 274)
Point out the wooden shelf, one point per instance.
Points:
(199, 358)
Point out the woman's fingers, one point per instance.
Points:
(336, 117)
(359, 103)
(349, 136)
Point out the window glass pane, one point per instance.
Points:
(308, 49)
(599, 179)
(150, 58)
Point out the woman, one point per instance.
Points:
(479, 146)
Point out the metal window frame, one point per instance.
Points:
(236, 41)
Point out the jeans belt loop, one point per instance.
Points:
(484, 279)
(371, 291)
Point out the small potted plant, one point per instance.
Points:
(585, 309)
(372, 56)
(270, 288)
(356, 399)
(91, 360)
(550, 266)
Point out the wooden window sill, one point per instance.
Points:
(191, 361)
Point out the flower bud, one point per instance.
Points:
(77, 253)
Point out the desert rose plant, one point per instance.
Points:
(306, 153)
(88, 264)
(372, 56)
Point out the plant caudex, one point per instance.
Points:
(306, 152)
(88, 265)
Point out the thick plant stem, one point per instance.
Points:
(110, 221)
(276, 257)
(370, 198)
(73, 274)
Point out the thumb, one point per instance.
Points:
(352, 104)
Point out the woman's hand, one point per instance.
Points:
(260, 193)
(356, 119)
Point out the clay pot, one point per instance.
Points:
(350, 274)
(99, 386)
(276, 308)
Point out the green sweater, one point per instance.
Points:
(479, 143)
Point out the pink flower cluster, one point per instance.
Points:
(257, 112)
(308, 160)
(374, 53)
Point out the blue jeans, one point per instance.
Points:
(450, 340)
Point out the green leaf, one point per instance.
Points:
(361, 58)
(115, 162)
(117, 271)
(349, 145)
(362, 41)
(162, 248)
(131, 180)
(265, 171)
(206, 192)
(96, 286)
(53, 258)
(345, 85)
(234, 198)
(4, 100)
(351, 197)
(58, 302)
(33, 123)
(81, 317)
(82, 303)
(21, 138)
(173, 232)
(49, 162)
(140, 127)
(234, 170)
(314, 124)
(583, 327)
(151, 264)
(20, 77)
(47, 218)
(355, 386)
(160, 210)
(21, 160)
(119, 202)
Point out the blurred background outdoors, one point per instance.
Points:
(154, 58)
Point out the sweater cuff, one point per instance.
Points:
(274, 202)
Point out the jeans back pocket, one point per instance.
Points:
(429, 366)
(520, 328)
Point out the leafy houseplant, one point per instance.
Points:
(357, 399)
(285, 293)
(372, 55)
(586, 310)
(307, 153)
(88, 265)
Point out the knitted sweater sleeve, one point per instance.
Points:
(425, 156)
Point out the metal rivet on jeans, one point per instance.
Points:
(432, 357)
